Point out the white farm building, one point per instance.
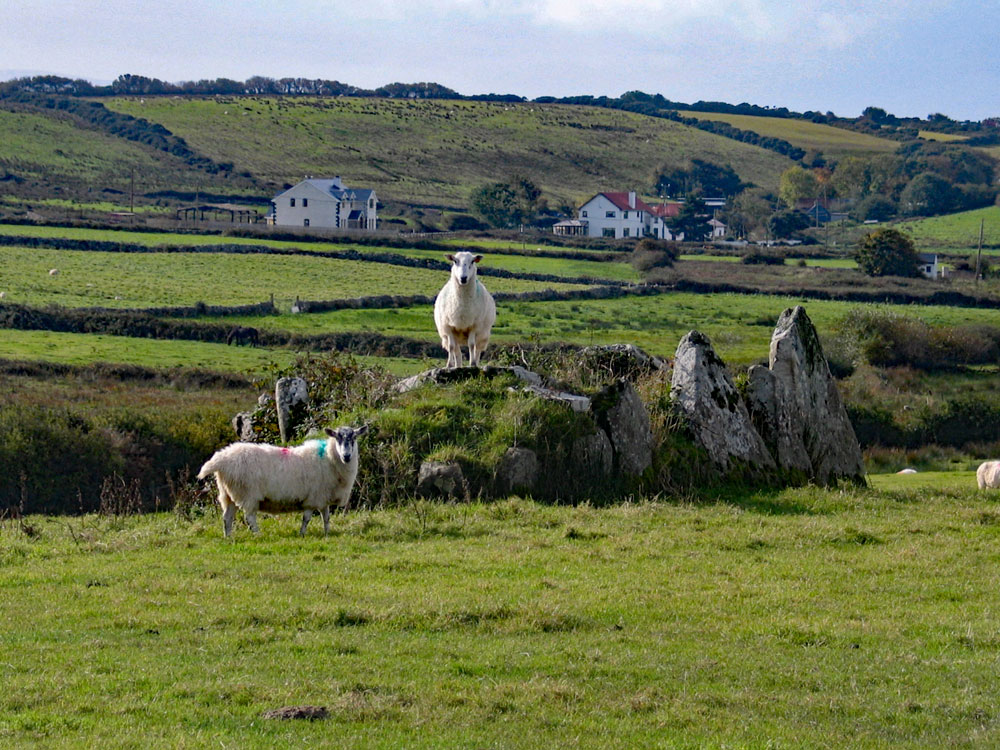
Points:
(618, 215)
(326, 204)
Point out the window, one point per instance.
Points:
(291, 202)
(624, 214)
(625, 232)
(609, 232)
(305, 223)
(583, 214)
(305, 202)
(609, 214)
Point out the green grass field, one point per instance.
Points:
(805, 619)
(805, 134)
(436, 151)
(960, 230)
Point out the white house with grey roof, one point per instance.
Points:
(326, 204)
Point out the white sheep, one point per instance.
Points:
(53, 272)
(309, 477)
(464, 312)
(988, 475)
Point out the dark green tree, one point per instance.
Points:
(927, 194)
(507, 204)
(692, 221)
(887, 252)
(784, 224)
(697, 176)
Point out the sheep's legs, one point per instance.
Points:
(228, 514)
(454, 354)
(326, 521)
(477, 345)
(306, 515)
(252, 522)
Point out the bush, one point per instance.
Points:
(874, 208)
(887, 252)
(649, 254)
(756, 257)
(463, 222)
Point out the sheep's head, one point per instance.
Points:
(345, 440)
(463, 266)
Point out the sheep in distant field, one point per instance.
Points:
(53, 272)
(309, 477)
(988, 475)
(464, 312)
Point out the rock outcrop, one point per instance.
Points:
(623, 416)
(291, 398)
(797, 407)
(441, 479)
(706, 395)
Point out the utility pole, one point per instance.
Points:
(979, 252)
(131, 191)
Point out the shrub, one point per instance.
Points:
(887, 252)
(649, 254)
(874, 208)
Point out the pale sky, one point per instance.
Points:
(910, 57)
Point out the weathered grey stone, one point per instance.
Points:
(773, 423)
(622, 360)
(437, 478)
(624, 416)
(574, 401)
(517, 471)
(443, 375)
(290, 399)
(806, 417)
(718, 418)
(592, 455)
(243, 425)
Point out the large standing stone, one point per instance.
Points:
(592, 455)
(799, 407)
(716, 414)
(624, 416)
(439, 478)
(518, 471)
(290, 399)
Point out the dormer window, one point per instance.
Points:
(291, 203)
(305, 202)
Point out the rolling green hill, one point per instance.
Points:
(805, 134)
(434, 152)
(959, 230)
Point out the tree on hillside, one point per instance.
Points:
(874, 207)
(927, 194)
(692, 221)
(507, 204)
(749, 211)
(797, 184)
(887, 252)
(784, 224)
(697, 176)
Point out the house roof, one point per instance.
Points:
(571, 223)
(927, 257)
(620, 199)
(666, 210)
(335, 188)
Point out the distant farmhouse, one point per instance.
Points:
(620, 215)
(327, 204)
(929, 266)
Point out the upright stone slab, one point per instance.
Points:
(622, 414)
(806, 418)
(290, 398)
(716, 414)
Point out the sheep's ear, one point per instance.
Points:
(362, 429)
(450, 258)
(477, 259)
(329, 432)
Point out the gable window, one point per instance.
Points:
(624, 214)
(609, 214)
(291, 202)
(583, 214)
(305, 202)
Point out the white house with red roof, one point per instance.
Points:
(621, 215)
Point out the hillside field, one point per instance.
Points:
(831, 140)
(959, 230)
(435, 151)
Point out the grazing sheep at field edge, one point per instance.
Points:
(464, 312)
(309, 477)
(988, 475)
(54, 272)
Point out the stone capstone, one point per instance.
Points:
(718, 419)
(626, 361)
(291, 398)
(439, 478)
(442, 375)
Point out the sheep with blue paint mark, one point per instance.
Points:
(309, 477)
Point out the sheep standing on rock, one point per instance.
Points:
(464, 312)
(988, 475)
(309, 477)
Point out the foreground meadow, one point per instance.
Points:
(806, 618)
